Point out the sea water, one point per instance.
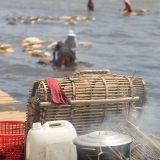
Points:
(122, 44)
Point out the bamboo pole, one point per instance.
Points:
(83, 111)
(155, 136)
(145, 136)
(98, 101)
(93, 108)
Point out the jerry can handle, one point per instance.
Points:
(61, 123)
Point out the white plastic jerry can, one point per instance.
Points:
(51, 141)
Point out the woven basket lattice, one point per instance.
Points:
(89, 92)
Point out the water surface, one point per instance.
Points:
(122, 44)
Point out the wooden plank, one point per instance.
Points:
(6, 98)
(10, 108)
(13, 115)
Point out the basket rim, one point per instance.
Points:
(13, 121)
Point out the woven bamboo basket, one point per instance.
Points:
(97, 98)
(143, 147)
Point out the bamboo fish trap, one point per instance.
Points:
(97, 97)
(143, 147)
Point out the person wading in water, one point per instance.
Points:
(128, 6)
(64, 55)
(90, 5)
(72, 42)
(128, 9)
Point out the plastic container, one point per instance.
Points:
(12, 140)
(51, 141)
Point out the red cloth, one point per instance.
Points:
(57, 94)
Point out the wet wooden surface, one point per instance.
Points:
(11, 108)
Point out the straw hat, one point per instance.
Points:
(71, 33)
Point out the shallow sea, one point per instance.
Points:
(122, 44)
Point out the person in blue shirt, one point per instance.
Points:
(72, 42)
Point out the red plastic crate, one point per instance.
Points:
(12, 135)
